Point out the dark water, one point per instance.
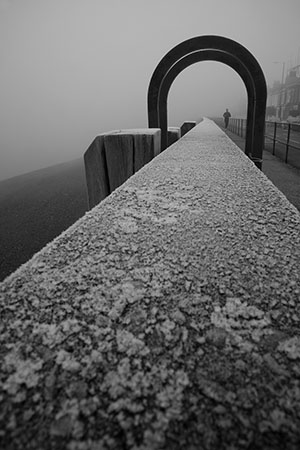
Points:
(37, 207)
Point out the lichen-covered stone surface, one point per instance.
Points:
(166, 318)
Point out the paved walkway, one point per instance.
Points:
(285, 177)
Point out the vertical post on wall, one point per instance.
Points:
(274, 137)
(287, 143)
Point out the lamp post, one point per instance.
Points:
(281, 86)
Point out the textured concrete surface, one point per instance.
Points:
(167, 317)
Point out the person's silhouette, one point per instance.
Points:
(226, 116)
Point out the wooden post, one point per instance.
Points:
(119, 158)
(146, 145)
(113, 157)
(173, 135)
(187, 126)
(96, 172)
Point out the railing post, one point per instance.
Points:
(287, 143)
(274, 138)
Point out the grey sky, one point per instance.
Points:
(71, 69)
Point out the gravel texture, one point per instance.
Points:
(166, 318)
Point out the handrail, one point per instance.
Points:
(286, 134)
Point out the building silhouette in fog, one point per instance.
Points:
(284, 98)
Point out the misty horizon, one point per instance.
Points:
(72, 69)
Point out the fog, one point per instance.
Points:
(71, 69)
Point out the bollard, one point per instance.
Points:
(173, 135)
(186, 127)
(113, 157)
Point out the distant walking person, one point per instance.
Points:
(226, 116)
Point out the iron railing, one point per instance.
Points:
(238, 126)
(281, 138)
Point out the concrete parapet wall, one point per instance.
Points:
(167, 317)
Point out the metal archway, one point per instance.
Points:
(244, 64)
(206, 55)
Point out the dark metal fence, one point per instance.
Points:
(238, 126)
(281, 139)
